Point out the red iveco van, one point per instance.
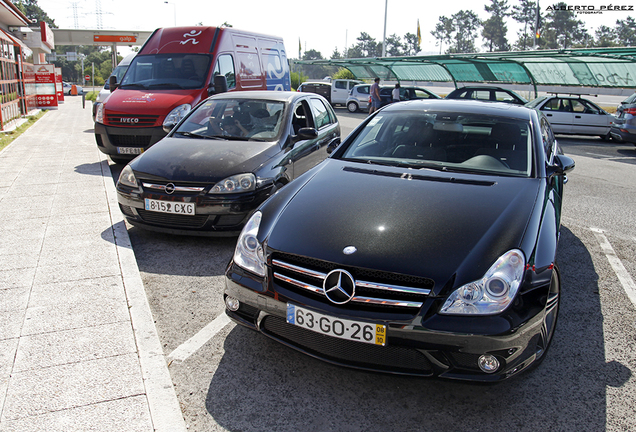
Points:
(176, 69)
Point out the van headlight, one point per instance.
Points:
(493, 293)
(99, 115)
(177, 114)
(249, 253)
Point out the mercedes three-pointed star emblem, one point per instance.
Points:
(339, 286)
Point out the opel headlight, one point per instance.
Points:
(235, 184)
(249, 251)
(127, 177)
(493, 293)
(99, 116)
(177, 114)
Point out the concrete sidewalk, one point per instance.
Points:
(78, 346)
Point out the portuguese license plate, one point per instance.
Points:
(170, 207)
(337, 327)
(130, 150)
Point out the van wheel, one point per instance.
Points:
(352, 107)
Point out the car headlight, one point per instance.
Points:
(177, 114)
(127, 177)
(99, 116)
(249, 251)
(235, 184)
(493, 293)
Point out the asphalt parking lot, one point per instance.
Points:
(229, 378)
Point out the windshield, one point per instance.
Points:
(445, 141)
(167, 72)
(253, 119)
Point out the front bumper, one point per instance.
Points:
(426, 345)
(117, 141)
(214, 216)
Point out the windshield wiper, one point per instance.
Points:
(166, 85)
(134, 85)
(190, 134)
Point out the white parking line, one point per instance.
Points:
(193, 344)
(623, 275)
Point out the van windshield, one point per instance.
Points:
(167, 72)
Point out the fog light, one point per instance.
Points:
(488, 363)
(233, 304)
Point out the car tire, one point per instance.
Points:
(551, 314)
(606, 137)
(352, 107)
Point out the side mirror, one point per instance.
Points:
(307, 133)
(219, 86)
(562, 165)
(168, 127)
(112, 83)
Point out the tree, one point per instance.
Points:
(605, 37)
(336, 54)
(32, 11)
(312, 54)
(626, 32)
(394, 46)
(466, 25)
(562, 29)
(411, 44)
(343, 74)
(443, 32)
(366, 47)
(494, 28)
(526, 14)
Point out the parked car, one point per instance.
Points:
(358, 98)
(226, 157)
(574, 115)
(68, 88)
(487, 93)
(406, 93)
(425, 244)
(624, 127)
(118, 73)
(336, 91)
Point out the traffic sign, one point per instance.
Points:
(87, 77)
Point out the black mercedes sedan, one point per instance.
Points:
(424, 245)
(229, 154)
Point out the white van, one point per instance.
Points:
(118, 72)
(336, 91)
(340, 89)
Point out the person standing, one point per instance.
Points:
(395, 94)
(375, 96)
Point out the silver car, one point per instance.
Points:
(574, 115)
(624, 127)
(359, 98)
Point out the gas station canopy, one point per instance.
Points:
(594, 67)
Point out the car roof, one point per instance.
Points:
(282, 96)
(488, 108)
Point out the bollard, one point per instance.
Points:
(83, 100)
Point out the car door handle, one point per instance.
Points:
(549, 115)
(577, 116)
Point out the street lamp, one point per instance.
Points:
(175, 11)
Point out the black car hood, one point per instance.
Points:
(202, 160)
(429, 224)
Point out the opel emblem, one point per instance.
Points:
(170, 188)
(339, 286)
(349, 250)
